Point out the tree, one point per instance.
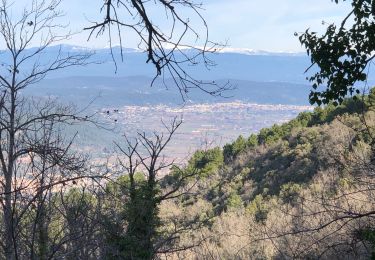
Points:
(331, 216)
(343, 54)
(79, 220)
(206, 162)
(230, 151)
(35, 157)
(137, 233)
(165, 47)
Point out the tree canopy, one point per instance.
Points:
(343, 53)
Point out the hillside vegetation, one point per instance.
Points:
(300, 190)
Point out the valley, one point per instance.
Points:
(204, 125)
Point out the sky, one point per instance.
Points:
(253, 24)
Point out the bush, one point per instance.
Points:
(206, 162)
(289, 192)
(234, 201)
(258, 208)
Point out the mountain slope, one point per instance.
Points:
(295, 191)
(136, 90)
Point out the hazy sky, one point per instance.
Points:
(255, 24)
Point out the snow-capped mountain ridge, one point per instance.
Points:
(247, 51)
(244, 51)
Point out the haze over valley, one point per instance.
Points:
(262, 93)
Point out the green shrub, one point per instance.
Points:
(234, 201)
(206, 162)
(289, 192)
(258, 208)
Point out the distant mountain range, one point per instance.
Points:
(136, 90)
(240, 64)
(259, 77)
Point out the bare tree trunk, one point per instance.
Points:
(10, 245)
(41, 221)
(8, 219)
(21, 125)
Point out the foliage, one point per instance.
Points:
(302, 189)
(289, 192)
(258, 208)
(295, 184)
(320, 115)
(369, 235)
(282, 180)
(234, 201)
(342, 53)
(206, 162)
(232, 150)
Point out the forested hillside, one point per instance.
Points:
(298, 190)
